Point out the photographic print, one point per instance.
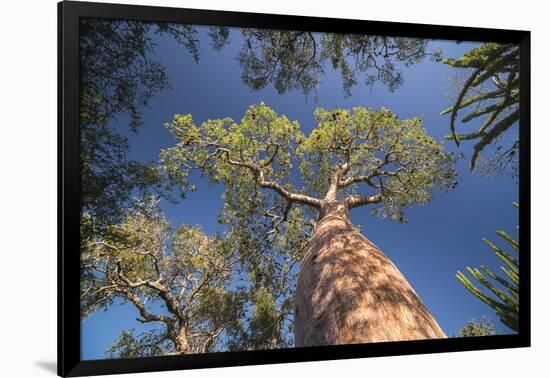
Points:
(258, 189)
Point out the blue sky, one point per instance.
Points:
(440, 238)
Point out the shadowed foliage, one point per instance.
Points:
(297, 60)
(119, 76)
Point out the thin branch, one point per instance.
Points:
(262, 182)
(164, 293)
(146, 317)
(211, 337)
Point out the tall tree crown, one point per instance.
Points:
(362, 156)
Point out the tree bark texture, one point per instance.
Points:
(349, 292)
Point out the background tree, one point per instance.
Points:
(296, 60)
(503, 297)
(474, 328)
(178, 280)
(119, 76)
(490, 93)
(347, 290)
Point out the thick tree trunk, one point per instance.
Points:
(349, 292)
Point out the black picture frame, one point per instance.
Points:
(69, 362)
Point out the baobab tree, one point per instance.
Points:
(347, 290)
(504, 296)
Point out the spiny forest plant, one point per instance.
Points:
(490, 94)
(504, 299)
(347, 290)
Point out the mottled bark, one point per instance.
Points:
(348, 291)
(182, 343)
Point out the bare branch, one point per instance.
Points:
(289, 195)
(262, 182)
(164, 293)
(145, 315)
(356, 201)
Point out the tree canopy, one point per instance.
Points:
(276, 179)
(119, 75)
(362, 156)
(199, 293)
(296, 60)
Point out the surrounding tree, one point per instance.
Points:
(504, 299)
(474, 328)
(490, 93)
(346, 289)
(219, 36)
(178, 280)
(119, 76)
(296, 60)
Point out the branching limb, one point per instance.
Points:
(289, 195)
(145, 315)
(460, 97)
(210, 339)
(171, 303)
(356, 201)
(276, 187)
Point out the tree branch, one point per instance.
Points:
(356, 201)
(146, 317)
(210, 339)
(164, 293)
(262, 182)
(289, 195)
